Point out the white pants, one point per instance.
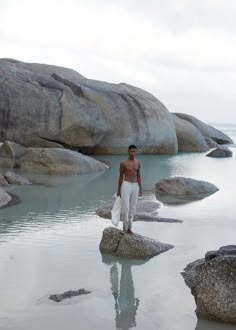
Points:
(129, 198)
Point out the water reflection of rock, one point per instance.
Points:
(210, 325)
(180, 200)
(123, 291)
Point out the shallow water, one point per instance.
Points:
(49, 243)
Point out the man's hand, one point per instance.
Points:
(118, 194)
(140, 192)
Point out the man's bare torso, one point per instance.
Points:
(130, 169)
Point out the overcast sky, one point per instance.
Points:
(182, 51)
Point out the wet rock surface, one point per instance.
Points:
(212, 281)
(121, 244)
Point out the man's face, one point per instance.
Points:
(131, 153)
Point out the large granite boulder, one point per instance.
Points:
(189, 137)
(121, 244)
(212, 281)
(206, 130)
(59, 161)
(145, 211)
(5, 198)
(59, 105)
(220, 152)
(184, 186)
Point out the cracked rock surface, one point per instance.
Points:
(212, 281)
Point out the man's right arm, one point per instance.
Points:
(122, 172)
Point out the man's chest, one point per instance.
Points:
(131, 166)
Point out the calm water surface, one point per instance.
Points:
(49, 243)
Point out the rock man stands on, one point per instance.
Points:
(129, 187)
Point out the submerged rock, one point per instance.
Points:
(122, 244)
(212, 281)
(5, 198)
(220, 152)
(68, 294)
(145, 211)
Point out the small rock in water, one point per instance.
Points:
(68, 294)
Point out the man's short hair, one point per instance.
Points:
(132, 146)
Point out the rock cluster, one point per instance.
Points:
(50, 106)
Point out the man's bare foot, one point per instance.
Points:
(129, 231)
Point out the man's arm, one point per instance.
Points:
(139, 179)
(122, 172)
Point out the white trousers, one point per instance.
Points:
(129, 198)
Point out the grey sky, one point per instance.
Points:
(182, 51)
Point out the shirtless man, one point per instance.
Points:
(129, 187)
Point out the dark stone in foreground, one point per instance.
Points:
(68, 294)
(212, 281)
(121, 244)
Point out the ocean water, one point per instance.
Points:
(49, 243)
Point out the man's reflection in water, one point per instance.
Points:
(122, 288)
(126, 304)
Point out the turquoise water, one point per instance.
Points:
(49, 244)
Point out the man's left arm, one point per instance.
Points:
(139, 179)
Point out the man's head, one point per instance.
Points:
(132, 151)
